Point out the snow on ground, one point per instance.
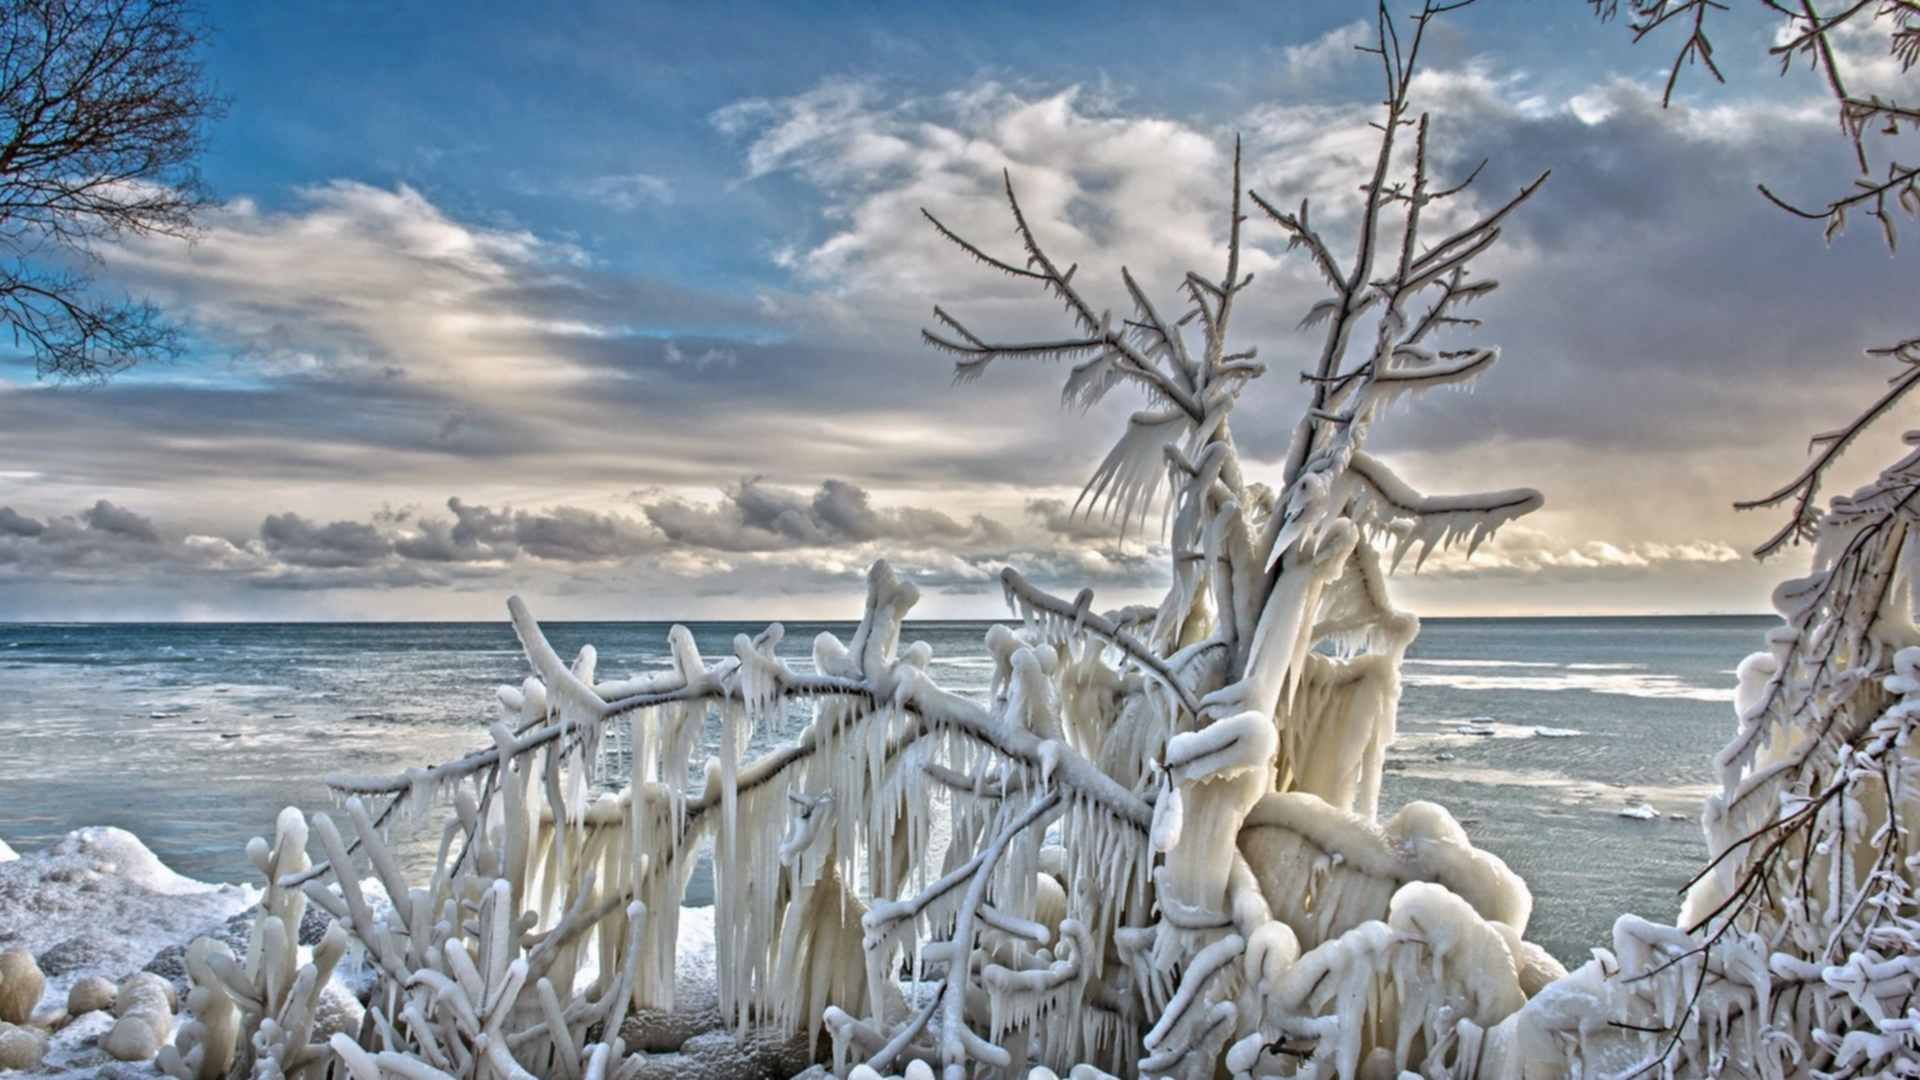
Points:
(99, 902)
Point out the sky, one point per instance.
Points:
(618, 308)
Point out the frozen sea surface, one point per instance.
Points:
(1534, 732)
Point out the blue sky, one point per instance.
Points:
(510, 112)
(618, 305)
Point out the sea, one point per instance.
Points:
(1536, 733)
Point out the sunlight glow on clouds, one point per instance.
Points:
(636, 438)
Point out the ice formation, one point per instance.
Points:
(1152, 852)
(1797, 949)
(87, 912)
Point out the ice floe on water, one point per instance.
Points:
(1623, 680)
(1477, 727)
(1667, 799)
(1441, 662)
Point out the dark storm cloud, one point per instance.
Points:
(570, 534)
(755, 515)
(105, 517)
(295, 540)
(14, 523)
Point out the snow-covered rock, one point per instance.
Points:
(20, 1047)
(98, 902)
(21, 985)
(93, 909)
(91, 994)
(143, 1008)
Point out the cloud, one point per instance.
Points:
(1522, 551)
(718, 356)
(14, 523)
(298, 542)
(106, 544)
(626, 192)
(368, 346)
(105, 517)
(755, 515)
(476, 534)
(1061, 519)
(1090, 180)
(1316, 59)
(757, 538)
(569, 534)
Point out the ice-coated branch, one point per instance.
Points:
(1804, 488)
(1115, 353)
(958, 1045)
(1076, 617)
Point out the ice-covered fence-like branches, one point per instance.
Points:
(1149, 849)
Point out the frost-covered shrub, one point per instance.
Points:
(1153, 848)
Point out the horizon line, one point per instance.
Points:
(760, 621)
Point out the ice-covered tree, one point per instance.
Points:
(1796, 951)
(1154, 848)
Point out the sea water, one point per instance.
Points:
(1535, 733)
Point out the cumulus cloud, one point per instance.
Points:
(755, 515)
(1519, 550)
(103, 543)
(1318, 58)
(757, 535)
(14, 523)
(105, 517)
(476, 534)
(299, 542)
(570, 534)
(369, 345)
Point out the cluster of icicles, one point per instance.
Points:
(1025, 919)
(1798, 947)
(1047, 912)
(1154, 849)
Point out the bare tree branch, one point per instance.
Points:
(104, 105)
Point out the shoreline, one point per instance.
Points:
(99, 902)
